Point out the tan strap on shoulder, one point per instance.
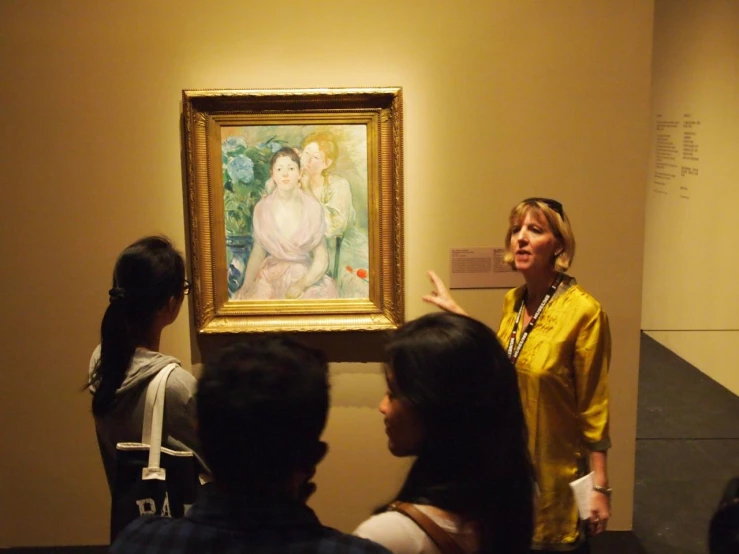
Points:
(440, 537)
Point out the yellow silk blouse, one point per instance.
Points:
(563, 378)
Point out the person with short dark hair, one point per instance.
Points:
(452, 401)
(262, 406)
(723, 533)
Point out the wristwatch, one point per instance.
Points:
(603, 490)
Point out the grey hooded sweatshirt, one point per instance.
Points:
(123, 423)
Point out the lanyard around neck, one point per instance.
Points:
(513, 354)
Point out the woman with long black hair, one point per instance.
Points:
(453, 401)
(149, 286)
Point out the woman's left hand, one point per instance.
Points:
(600, 512)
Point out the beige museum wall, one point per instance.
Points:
(690, 267)
(503, 100)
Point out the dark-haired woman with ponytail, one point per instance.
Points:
(149, 286)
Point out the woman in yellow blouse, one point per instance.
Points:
(557, 336)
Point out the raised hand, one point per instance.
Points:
(440, 296)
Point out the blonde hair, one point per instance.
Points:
(558, 223)
(326, 143)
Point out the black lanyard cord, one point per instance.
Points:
(513, 354)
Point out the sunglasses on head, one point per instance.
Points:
(553, 204)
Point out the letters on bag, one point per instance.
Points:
(151, 479)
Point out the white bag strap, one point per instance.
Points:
(151, 432)
(151, 393)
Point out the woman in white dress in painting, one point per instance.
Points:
(289, 257)
(344, 240)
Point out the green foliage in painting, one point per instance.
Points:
(245, 173)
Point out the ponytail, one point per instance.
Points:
(117, 348)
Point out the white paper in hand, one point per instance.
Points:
(582, 488)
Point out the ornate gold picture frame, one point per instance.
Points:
(295, 203)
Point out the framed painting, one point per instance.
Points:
(295, 203)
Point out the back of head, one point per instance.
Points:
(147, 274)
(262, 406)
(723, 535)
(474, 459)
(457, 377)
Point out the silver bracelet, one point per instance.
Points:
(603, 490)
